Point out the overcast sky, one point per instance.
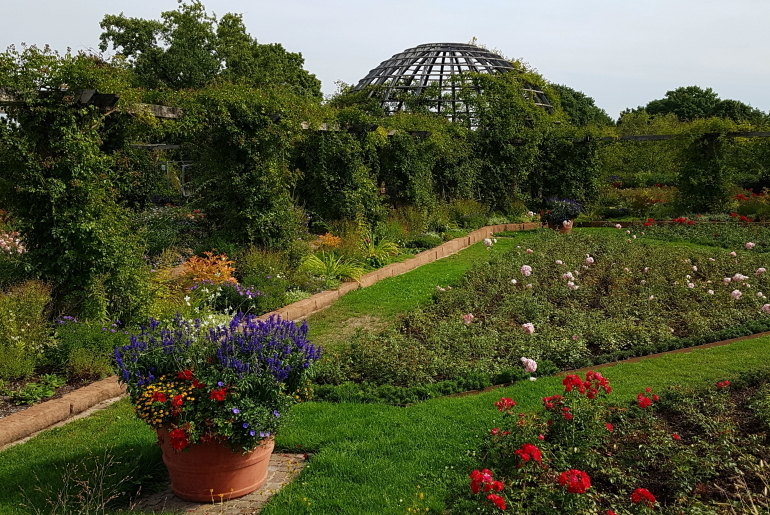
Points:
(621, 53)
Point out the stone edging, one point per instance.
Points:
(22, 424)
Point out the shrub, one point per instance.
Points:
(24, 332)
(83, 350)
(678, 451)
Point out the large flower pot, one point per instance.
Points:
(206, 472)
(563, 228)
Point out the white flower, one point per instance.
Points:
(513, 281)
(530, 251)
(710, 292)
(487, 242)
(589, 260)
(766, 308)
(694, 268)
(526, 270)
(736, 294)
(618, 226)
(749, 245)
(690, 285)
(559, 262)
(528, 328)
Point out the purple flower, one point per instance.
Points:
(276, 414)
(252, 433)
(245, 425)
(236, 410)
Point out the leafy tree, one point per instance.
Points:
(580, 108)
(189, 48)
(687, 103)
(691, 102)
(738, 111)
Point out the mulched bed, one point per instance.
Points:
(7, 407)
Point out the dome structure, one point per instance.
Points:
(418, 68)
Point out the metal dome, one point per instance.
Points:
(415, 69)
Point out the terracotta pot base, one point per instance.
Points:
(561, 228)
(210, 472)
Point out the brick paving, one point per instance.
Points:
(283, 468)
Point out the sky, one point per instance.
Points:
(621, 53)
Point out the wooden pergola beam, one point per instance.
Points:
(158, 111)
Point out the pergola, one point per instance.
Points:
(409, 73)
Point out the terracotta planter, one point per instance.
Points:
(563, 229)
(207, 472)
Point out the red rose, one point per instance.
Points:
(504, 404)
(676, 437)
(575, 481)
(642, 495)
(609, 427)
(529, 452)
(158, 397)
(497, 501)
(176, 401)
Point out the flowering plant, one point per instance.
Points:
(229, 383)
(560, 210)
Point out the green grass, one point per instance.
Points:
(369, 458)
(379, 305)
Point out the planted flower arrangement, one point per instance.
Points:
(560, 213)
(686, 451)
(216, 394)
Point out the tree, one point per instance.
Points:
(189, 48)
(581, 108)
(691, 103)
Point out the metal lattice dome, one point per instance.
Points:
(415, 69)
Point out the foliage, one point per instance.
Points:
(34, 392)
(211, 269)
(675, 452)
(691, 102)
(231, 383)
(189, 48)
(338, 181)
(59, 183)
(24, 333)
(234, 141)
(331, 266)
(580, 108)
(83, 349)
